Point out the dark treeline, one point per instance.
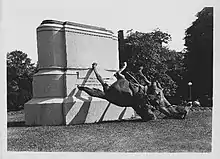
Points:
(175, 69)
(199, 55)
(20, 71)
(160, 63)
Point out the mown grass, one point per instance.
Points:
(194, 134)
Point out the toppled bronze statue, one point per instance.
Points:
(144, 99)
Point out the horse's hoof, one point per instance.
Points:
(79, 87)
(94, 64)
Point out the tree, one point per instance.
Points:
(199, 53)
(159, 62)
(20, 71)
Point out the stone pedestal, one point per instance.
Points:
(65, 53)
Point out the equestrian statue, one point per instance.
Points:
(144, 99)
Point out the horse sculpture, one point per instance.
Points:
(143, 99)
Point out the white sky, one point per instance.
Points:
(22, 17)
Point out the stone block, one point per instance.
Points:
(49, 83)
(51, 46)
(44, 111)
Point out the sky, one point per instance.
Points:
(20, 18)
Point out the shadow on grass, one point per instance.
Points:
(16, 124)
(119, 121)
(139, 120)
(132, 120)
(22, 123)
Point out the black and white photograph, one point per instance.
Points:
(96, 77)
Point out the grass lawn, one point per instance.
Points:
(194, 134)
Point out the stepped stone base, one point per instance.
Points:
(66, 51)
(69, 111)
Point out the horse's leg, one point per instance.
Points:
(165, 111)
(92, 92)
(175, 112)
(160, 102)
(171, 111)
(143, 76)
(99, 77)
(119, 74)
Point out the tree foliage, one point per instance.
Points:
(159, 61)
(199, 53)
(20, 70)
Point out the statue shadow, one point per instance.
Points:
(122, 121)
(16, 124)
